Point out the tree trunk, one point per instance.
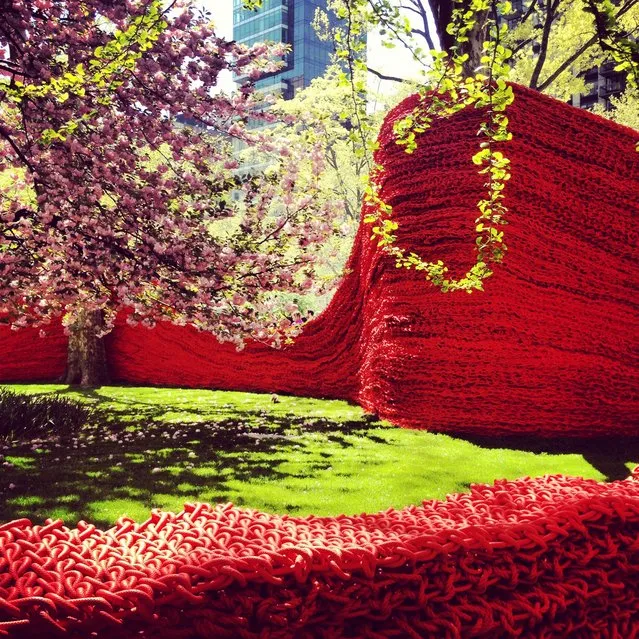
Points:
(474, 47)
(86, 355)
(443, 11)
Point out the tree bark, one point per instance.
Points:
(474, 47)
(86, 354)
(442, 12)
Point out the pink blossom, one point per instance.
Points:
(112, 232)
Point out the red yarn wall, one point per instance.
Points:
(550, 348)
(535, 559)
(27, 357)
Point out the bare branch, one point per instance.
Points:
(383, 76)
(420, 9)
(424, 35)
(403, 6)
(551, 14)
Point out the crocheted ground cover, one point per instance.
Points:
(549, 349)
(548, 557)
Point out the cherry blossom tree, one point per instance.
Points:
(118, 186)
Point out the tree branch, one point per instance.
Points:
(579, 52)
(551, 12)
(566, 64)
(389, 25)
(383, 76)
(421, 11)
(25, 160)
(424, 35)
(521, 45)
(529, 12)
(403, 6)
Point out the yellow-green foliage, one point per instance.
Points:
(573, 30)
(625, 109)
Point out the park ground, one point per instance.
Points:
(159, 448)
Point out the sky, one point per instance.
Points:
(396, 62)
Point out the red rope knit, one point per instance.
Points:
(547, 349)
(542, 558)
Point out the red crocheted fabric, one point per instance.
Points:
(549, 349)
(535, 559)
(27, 357)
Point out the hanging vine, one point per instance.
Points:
(448, 92)
(451, 86)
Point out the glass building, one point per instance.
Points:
(288, 21)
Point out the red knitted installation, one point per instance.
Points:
(542, 558)
(27, 357)
(550, 348)
(547, 349)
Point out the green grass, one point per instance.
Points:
(159, 448)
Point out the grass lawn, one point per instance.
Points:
(159, 448)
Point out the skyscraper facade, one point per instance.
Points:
(602, 83)
(288, 21)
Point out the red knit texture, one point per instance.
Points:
(549, 349)
(542, 558)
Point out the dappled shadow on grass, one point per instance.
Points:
(609, 455)
(164, 447)
(129, 467)
(121, 411)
